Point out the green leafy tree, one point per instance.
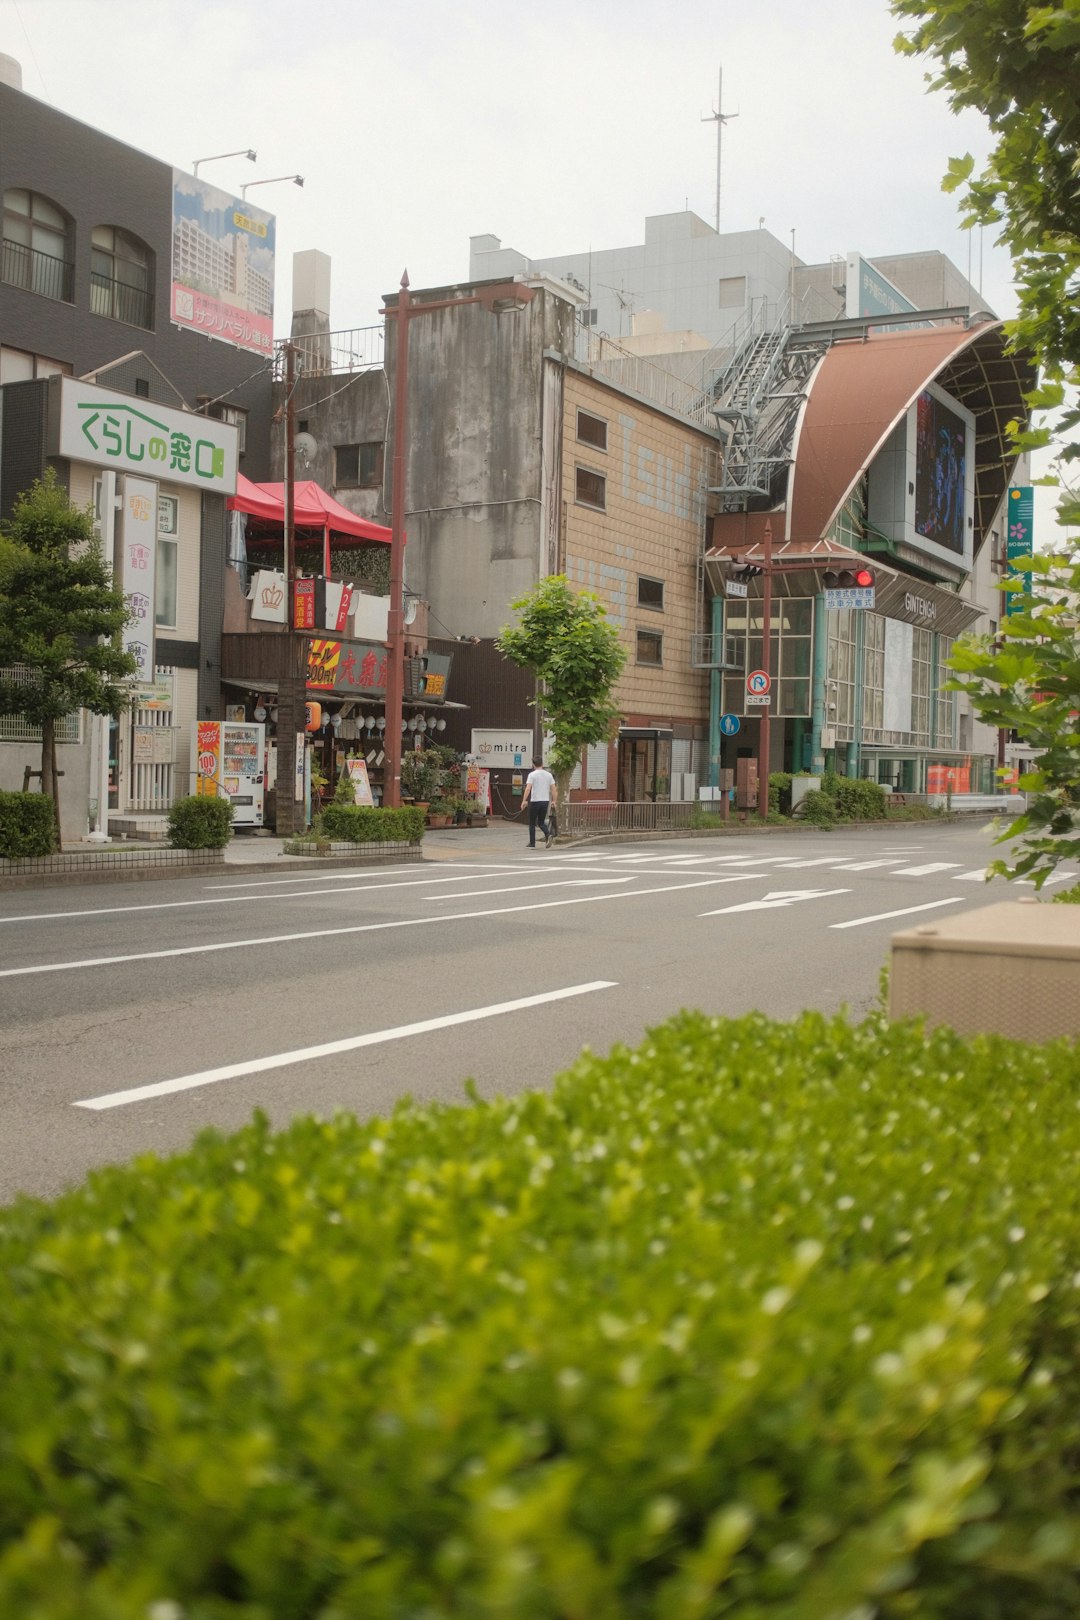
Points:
(59, 616)
(1029, 682)
(1019, 64)
(565, 636)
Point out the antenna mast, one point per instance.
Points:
(719, 118)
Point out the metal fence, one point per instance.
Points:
(607, 816)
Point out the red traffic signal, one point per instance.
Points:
(846, 579)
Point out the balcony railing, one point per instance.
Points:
(121, 301)
(715, 652)
(37, 272)
(322, 354)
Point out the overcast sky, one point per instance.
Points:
(557, 127)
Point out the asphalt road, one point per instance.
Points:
(135, 1015)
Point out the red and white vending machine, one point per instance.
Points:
(227, 761)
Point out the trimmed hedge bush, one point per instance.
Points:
(773, 1320)
(199, 823)
(27, 825)
(817, 807)
(363, 824)
(780, 792)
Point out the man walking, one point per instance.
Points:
(539, 795)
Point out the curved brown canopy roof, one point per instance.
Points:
(862, 388)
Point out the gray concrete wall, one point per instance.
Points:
(338, 411)
(475, 454)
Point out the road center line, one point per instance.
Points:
(235, 899)
(352, 1043)
(533, 887)
(882, 916)
(358, 928)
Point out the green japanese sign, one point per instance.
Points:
(93, 424)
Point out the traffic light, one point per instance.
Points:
(848, 579)
(743, 570)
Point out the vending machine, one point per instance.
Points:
(228, 761)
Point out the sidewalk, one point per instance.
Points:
(499, 838)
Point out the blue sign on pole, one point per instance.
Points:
(729, 724)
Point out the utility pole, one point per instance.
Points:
(766, 664)
(292, 687)
(719, 118)
(395, 623)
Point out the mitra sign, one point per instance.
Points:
(110, 429)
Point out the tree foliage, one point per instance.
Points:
(1029, 682)
(565, 636)
(1018, 63)
(59, 617)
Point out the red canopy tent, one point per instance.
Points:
(313, 508)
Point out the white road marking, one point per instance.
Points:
(234, 899)
(883, 916)
(362, 928)
(778, 897)
(350, 873)
(518, 888)
(931, 866)
(866, 866)
(819, 860)
(978, 876)
(352, 1043)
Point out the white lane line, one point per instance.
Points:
(866, 866)
(235, 899)
(519, 888)
(924, 871)
(774, 899)
(819, 860)
(883, 916)
(352, 1043)
(360, 928)
(978, 876)
(345, 876)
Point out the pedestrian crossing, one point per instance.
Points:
(902, 864)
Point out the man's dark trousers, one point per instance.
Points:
(538, 809)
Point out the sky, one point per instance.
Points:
(556, 128)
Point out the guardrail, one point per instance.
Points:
(608, 816)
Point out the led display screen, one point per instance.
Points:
(940, 469)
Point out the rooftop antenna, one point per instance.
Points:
(719, 118)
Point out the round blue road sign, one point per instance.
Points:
(729, 724)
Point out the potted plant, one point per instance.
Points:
(420, 775)
(440, 813)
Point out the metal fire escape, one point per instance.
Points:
(755, 397)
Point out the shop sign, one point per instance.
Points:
(512, 749)
(267, 595)
(1020, 516)
(92, 424)
(346, 666)
(138, 544)
(156, 694)
(920, 607)
(304, 604)
(436, 677)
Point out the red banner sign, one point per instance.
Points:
(304, 604)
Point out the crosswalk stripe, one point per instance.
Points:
(865, 866)
(925, 871)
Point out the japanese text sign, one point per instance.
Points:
(137, 545)
(346, 666)
(95, 425)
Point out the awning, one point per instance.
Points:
(313, 508)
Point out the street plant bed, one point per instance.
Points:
(759, 1319)
(106, 864)
(323, 849)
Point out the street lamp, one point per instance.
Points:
(244, 152)
(297, 180)
(499, 298)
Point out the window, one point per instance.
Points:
(238, 417)
(650, 648)
(591, 489)
(37, 245)
(17, 365)
(587, 317)
(165, 567)
(358, 466)
(121, 276)
(732, 292)
(17, 728)
(592, 430)
(650, 593)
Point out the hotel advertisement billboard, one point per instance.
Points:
(222, 266)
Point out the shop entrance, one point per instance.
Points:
(644, 766)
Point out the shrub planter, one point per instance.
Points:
(371, 853)
(107, 866)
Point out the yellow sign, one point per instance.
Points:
(256, 227)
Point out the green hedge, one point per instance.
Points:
(200, 823)
(27, 825)
(774, 1320)
(361, 824)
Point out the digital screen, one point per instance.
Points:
(940, 467)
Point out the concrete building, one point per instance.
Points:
(85, 287)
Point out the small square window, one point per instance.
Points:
(358, 466)
(591, 489)
(732, 292)
(650, 648)
(650, 593)
(142, 388)
(592, 430)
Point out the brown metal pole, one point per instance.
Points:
(292, 684)
(395, 627)
(766, 664)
